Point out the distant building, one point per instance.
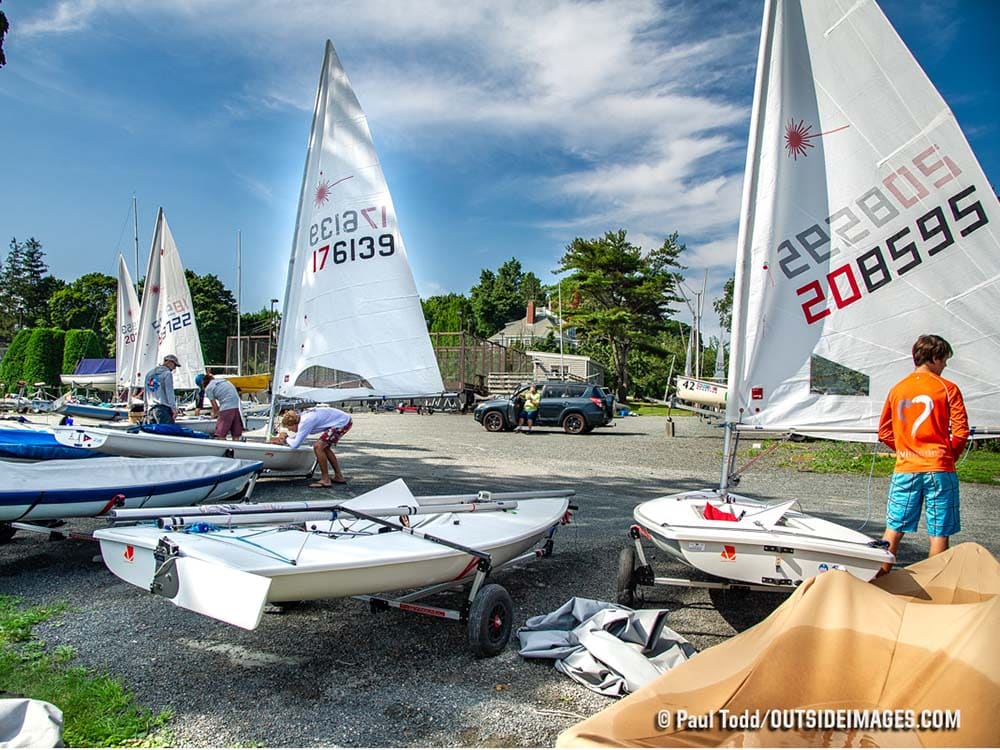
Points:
(536, 325)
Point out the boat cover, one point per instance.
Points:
(921, 638)
(173, 430)
(110, 474)
(25, 722)
(35, 445)
(611, 649)
(94, 366)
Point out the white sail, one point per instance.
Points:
(352, 323)
(167, 324)
(866, 222)
(127, 321)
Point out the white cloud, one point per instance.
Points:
(67, 16)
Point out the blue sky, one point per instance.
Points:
(505, 128)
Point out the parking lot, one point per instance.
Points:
(332, 673)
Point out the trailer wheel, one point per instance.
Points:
(625, 588)
(491, 618)
(7, 532)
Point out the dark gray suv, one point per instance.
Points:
(576, 407)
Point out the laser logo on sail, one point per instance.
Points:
(799, 137)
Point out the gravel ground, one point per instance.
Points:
(331, 673)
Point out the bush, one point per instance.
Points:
(12, 366)
(81, 343)
(43, 359)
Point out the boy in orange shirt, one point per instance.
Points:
(924, 421)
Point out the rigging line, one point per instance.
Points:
(245, 540)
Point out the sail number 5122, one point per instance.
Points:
(359, 248)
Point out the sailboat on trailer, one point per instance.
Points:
(866, 222)
(351, 308)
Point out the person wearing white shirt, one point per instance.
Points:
(332, 423)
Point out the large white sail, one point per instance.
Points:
(127, 321)
(866, 222)
(352, 324)
(167, 324)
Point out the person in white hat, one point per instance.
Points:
(161, 404)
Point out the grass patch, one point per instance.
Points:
(659, 410)
(832, 457)
(97, 710)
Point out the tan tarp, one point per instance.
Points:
(924, 638)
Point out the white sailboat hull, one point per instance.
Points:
(699, 391)
(103, 379)
(771, 545)
(257, 560)
(277, 458)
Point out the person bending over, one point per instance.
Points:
(332, 423)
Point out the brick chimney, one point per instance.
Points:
(530, 317)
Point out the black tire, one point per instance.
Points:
(625, 586)
(491, 618)
(6, 532)
(494, 421)
(574, 423)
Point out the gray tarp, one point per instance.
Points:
(610, 649)
(29, 723)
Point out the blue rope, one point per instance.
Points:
(208, 528)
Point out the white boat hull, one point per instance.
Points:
(57, 489)
(768, 546)
(106, 380)
(698, 391)
(277, 458)
(260, 557)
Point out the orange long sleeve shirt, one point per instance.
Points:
(924, 421)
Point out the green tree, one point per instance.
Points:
(499, 297)
(4, 26)
(724, 305)
(214, 314)
(84, 303)
(24, 287)
(448, 313)
(622, 297)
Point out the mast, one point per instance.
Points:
(239, 306)
(282, 339)
(750, 180)
(135, 229)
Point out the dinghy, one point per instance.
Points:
(59, 489)
(228, 562)
(866, 222)
(275, 458)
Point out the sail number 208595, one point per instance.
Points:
(356, 248)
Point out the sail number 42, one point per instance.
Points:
(356, 248)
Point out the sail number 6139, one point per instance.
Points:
(356, 248)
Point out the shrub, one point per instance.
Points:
(43, 359)
(81, 343)
(12, 366)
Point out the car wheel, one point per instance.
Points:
(493, 421)
(574, 424)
